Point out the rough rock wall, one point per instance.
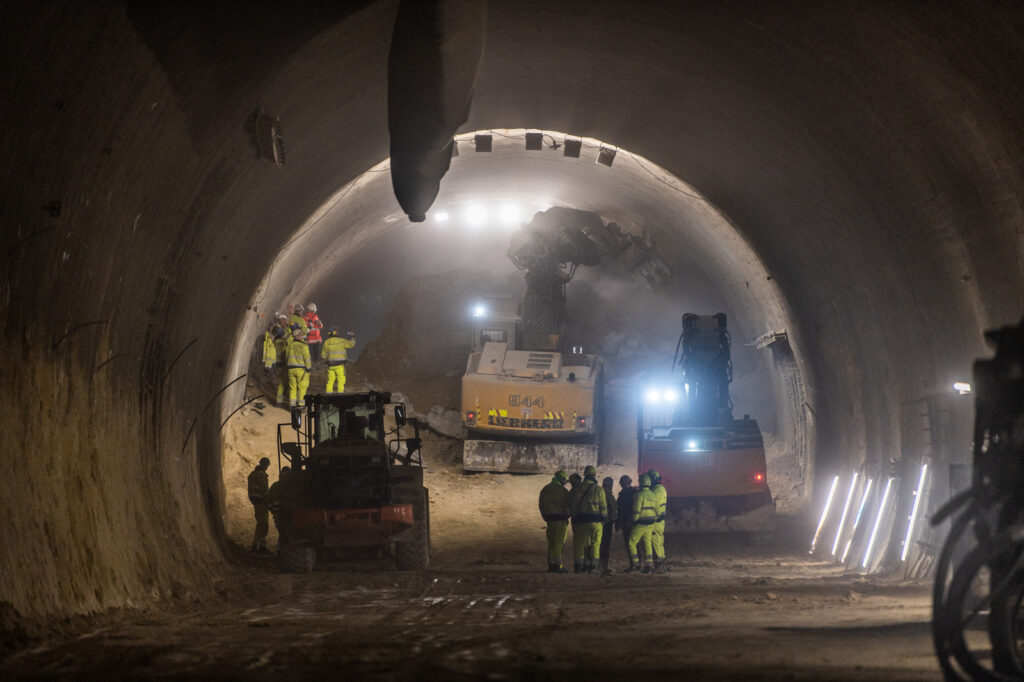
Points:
(102, 502)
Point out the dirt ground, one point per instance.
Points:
(486, 609)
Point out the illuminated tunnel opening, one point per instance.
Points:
(407, 290)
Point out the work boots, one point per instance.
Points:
(605, 568)
(556, 568)
(577, 568)
(634, 565)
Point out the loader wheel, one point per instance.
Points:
(296, 558)
(412, 552)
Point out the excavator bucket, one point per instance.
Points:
(526, 457)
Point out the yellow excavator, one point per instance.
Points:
(530, 402)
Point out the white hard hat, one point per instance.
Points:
(311, 307)
(297, 333)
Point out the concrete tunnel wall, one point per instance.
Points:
(870, 155)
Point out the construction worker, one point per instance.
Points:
(554, 507)
(258, 489)
(281, 342)
(336, 356)
(645, 513)
(624, 507)
(269, 349)
(313, 338)
(609, 525)
(296, 318)
(299, 366)
(274, 499)
(589, 512)
(658, 531)
(282, 323)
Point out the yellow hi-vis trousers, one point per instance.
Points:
(282, 383)
(641, 534)
(557, 532)
(586, 535)
(298, 382)
(336, 374)
(658, 539)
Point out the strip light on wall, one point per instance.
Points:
(856, 519)
(846, 511)
(824, 514)
(918, 494)
(878, 522)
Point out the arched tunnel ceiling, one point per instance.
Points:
(870, 155)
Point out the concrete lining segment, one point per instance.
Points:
(868, 153)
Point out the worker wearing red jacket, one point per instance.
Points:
(313, 337)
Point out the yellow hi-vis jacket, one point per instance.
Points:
(645, 507)
(299, 320)
(335, 350)
(269, 350)
(298, 355)
(589, 504)
(554, 502)
(282, 351)
(661, 495)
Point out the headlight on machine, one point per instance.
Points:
(659, 395)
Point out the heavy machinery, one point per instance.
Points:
(712, 465)
(979, 577)
(352, 483)
(530, 402)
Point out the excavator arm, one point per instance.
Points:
(549, 249)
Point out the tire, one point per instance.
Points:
(296, 558)
(412, 552)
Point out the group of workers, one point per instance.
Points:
(292, 345)
(595, 514)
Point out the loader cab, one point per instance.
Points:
(359, 422)
(495, 320)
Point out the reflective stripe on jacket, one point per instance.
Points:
(335, 350)
(645, 507)
(314, 325)
(554, 502)
(298, 356)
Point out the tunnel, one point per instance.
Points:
(847, 176)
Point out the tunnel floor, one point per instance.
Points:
(486, 608)
(723, 612)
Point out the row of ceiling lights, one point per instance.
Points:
(571, 147)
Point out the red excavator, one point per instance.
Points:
(712, 465)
